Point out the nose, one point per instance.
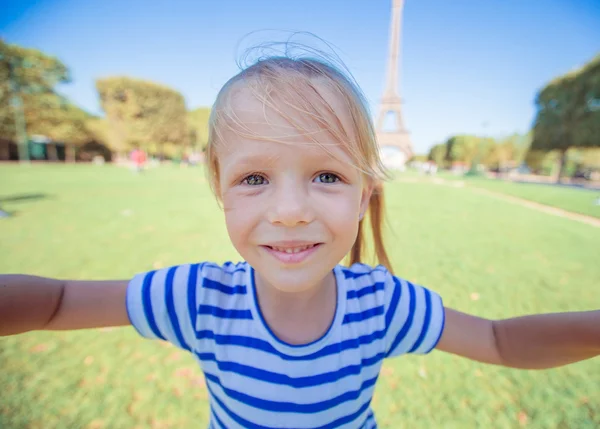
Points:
(291, 204)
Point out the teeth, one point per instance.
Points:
(292, 249)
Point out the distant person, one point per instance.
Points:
(289, 337)
(195, 158)
(138, 158)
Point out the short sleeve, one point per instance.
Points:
(414, 318)
(161, 304)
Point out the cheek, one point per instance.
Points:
(240, 219)
(341, 212)
(345, 205)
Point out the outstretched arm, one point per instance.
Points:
(530, 342)
(29, 303)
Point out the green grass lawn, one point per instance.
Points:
(483, 255)
(577, 200)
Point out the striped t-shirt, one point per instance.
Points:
(254, 379)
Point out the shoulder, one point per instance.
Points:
(412, 315)
(362, 274)
(198, 274)
(361, 277)
(366, 284)
(227, 277)
(167, 302)
(196, 281)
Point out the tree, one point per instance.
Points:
(507, 151)
(568, 113)
(467, 149)
(437, 154)
(470, 149)
(59, 120)
(198, 125)
(142, 113)
(419, 158)
(28, 100)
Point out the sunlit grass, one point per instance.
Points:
(483, 255)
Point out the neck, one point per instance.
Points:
(298, 317)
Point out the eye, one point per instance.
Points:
(327, 178)
(254, 180)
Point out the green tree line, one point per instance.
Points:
(568, 114)
(137, 113)
(564, 138)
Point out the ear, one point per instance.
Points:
(364, 199)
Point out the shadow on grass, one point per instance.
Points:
(11, 199)
(22, 197)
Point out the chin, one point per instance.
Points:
(292, 279)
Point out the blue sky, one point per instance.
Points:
(464, 62)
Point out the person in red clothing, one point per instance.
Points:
(138, 157)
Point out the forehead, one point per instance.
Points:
(311, 111)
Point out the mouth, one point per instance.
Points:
(292, 253)
(297, 249)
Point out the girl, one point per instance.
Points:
(289, 338)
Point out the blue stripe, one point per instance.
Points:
(258, 344)
(364, 315)
(147, 302)
(408, 323)
(347, 419)
(247, 424)
(239, 420)
(283, 379)
(171, 312)
(370, 419)
(365, 291)
(229, 290)
(349, 274)
(225, 313)
(191, 293)
(219, 422)
(426, 322)
(291, 407)
(352, 275)
(227, 265)
(393, 303)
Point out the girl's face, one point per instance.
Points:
(292, 209)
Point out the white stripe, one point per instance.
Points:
(262, 359)
(159, 306)
(368, 280)
(222, 300)
(300, 420)
(135, 307)
(417, 322)
(299, 395)
(400, 314)
(365, 303)
(216, 273)
(223, 416)
(180, 298)
(435, 326)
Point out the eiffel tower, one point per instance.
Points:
(396, 138)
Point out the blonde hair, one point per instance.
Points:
(275, 80)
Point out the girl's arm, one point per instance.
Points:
(29, 303)
(529, 342)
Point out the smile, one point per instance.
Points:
(292, 249)
(292, 254)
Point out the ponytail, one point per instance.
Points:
(376, 218)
